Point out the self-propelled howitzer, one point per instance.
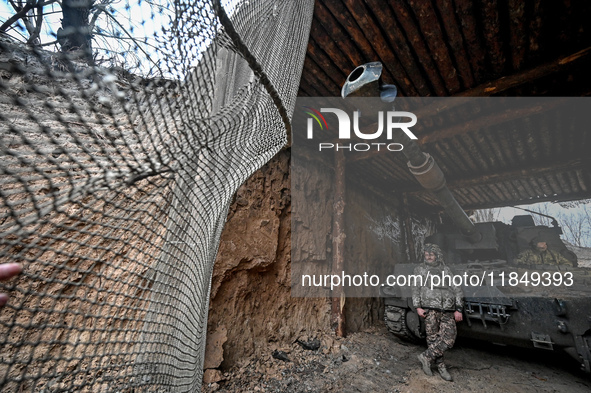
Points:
(547, 307)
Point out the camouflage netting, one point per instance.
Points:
(115, 189)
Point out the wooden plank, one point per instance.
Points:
(490, 88)
(341, 61)
(318, 78)
(404, 18)
(527, 201)
(507, 190)
(563, 184)
(581, 180)
(430, 27)
(307, 89)
(498, 157)
(492, 192)
(477, 148)
(571, 177)
(518, 33)
(338, 245)
(360, 43)
(336, 75)
(393, 31)
(515, 191)
(492, 35)
(531, 75)
(474, 45)
(529, 172)
(339, 35)
(541, 186)
(535, 44)
(468, 162)
(456, 42)
(509, 114)
(475, 194)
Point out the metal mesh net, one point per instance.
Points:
(115, 188)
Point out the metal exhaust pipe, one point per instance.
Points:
(365, 81)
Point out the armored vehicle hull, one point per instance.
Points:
(537, 306)
(531, 306)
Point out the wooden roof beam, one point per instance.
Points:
(520, 78)
(420, 205)
(487, 89)
(551, 198)
(516, 174)
(508, 114)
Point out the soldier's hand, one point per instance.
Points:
(458, 316)
(8, 270)
(421, 312)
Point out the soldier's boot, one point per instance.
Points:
(426, 365)
(443, 372)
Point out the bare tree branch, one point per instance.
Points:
(34, 37)
(49, 43)
(106, 25)
(21, 13)
(130, 36)
(100, 8)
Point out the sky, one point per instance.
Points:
(555, 210)
(144, 20)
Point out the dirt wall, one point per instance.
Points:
(252, 310)
(251, 306)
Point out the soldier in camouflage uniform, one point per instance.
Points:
(441, 306)
(540, 254)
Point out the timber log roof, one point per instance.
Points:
(466, 48)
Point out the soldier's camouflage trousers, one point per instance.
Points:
(441, 334)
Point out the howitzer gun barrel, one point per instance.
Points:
(365, 81)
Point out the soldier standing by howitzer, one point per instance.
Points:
(441, 306)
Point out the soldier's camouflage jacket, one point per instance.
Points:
(548, 257)
(443, 297)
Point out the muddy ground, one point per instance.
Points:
(376, 361)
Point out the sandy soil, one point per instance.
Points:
(376, 361)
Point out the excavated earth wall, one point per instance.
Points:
(251, 305)
(252, 311)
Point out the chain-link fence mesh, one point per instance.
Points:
(115, 188)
